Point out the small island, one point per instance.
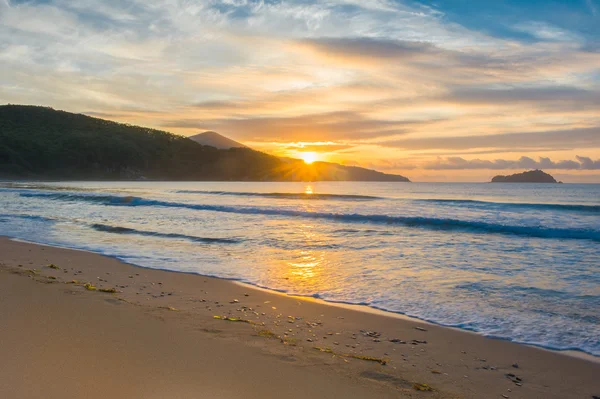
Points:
(532, 176)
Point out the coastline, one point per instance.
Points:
(287, 329)
(346, 305)
(401, 316)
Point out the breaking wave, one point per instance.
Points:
(443, 224)
(532, 206)
(127, 230)
(304, 196)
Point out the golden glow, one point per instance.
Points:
(305, 266)
(308, 190)
(350, 97)
(308, 157)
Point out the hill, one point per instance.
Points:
(532, 176)
(216, 140)
(43, 143)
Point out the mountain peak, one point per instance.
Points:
(216, 140)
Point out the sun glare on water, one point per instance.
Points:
(309, 157)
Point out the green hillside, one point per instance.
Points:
(42, 143)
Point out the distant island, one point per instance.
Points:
(532, 176)
(43, 143)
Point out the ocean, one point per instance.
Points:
(513, 261)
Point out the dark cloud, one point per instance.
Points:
(497, 151)
(568, 138)
(387, 164)
(458, 163)
(218, 105)
(364, 47)
(424, 57)
(547, 98)
(523, 94)
(588, 163)
(313, 127)
(321, 147)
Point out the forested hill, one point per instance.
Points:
(532, 176)
(42, 143)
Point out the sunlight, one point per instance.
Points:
(308, 190)
(305, 266)
(308, 157)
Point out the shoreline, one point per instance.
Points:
(579, 354)
(374, 354)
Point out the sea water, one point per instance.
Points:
(513, 261)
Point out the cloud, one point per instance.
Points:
(368, 47)
(458, 163)
(511, 95)
(218, 105)
(347, 72)
(588, 163)
(567, 138)
(327, 147)
(496, 151)
(545, 31)
(311, 127)
(427, 58)
(125, 112)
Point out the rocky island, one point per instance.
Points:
(532, 176)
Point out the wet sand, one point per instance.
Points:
(174, 335)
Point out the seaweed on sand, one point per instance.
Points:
(383, 362)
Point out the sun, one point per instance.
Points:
(308, 157)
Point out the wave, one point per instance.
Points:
(7, 217)
(304, 196)
(127, 230)
(554, 207)
(408, 221)
(364, 232)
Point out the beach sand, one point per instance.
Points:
(157, 337)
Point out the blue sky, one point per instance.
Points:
(437, 90)
(503, 17)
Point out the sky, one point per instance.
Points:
(448, 90)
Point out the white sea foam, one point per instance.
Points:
(513, 262)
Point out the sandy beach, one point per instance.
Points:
(77, 324)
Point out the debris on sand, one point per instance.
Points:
(234, 319)
(90, 287)
(514, 378)
(370, 334)
(422, 387)
(267, 334)
(383, 362)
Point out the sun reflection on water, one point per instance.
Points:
(305, 267)
(308, 190)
